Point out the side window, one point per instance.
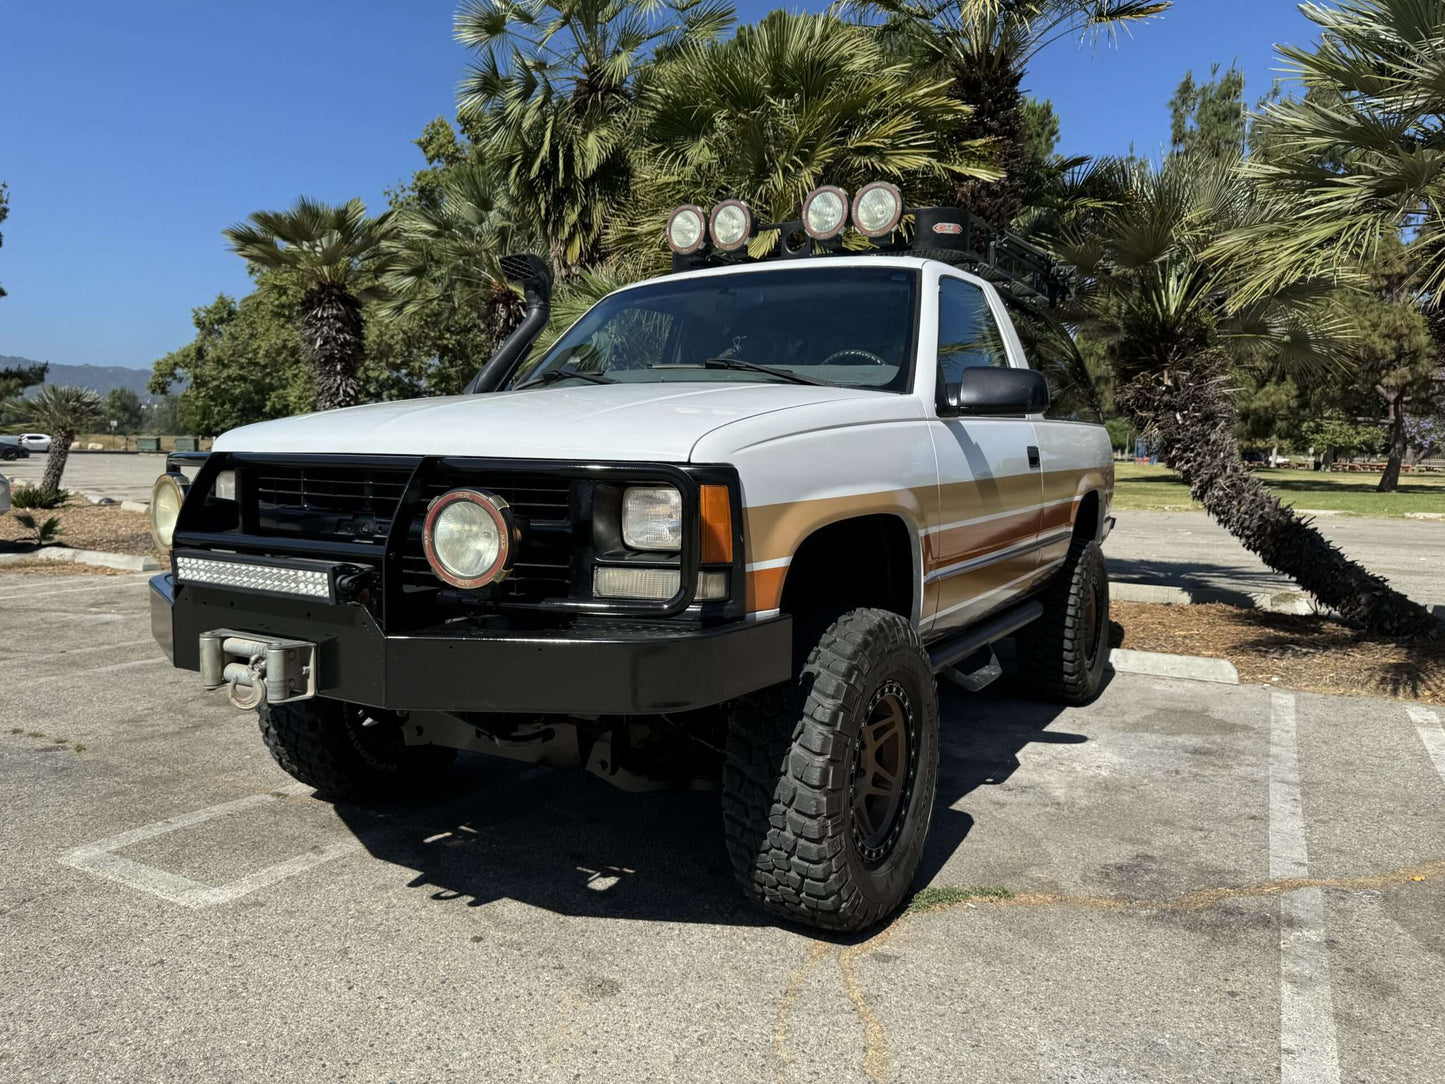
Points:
(1051, 351)
(967, 332)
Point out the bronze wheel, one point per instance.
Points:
(884, 768)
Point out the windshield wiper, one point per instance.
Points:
(748, 366)
(564, 372)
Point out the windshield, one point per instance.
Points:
(850, 326)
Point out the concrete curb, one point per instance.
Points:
(1279, 602)
(135, 506)
(1158, 664)
(130, 562)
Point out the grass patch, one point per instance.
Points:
(930, 899)
(1159, 489)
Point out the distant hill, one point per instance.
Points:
(101, 378)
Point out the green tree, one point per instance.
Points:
(552, 99)
(124, 408)
(1209, 118)
(1153, 292)
(1359, 156)
(165, 417)
(335, 252)
(62, 411)
(444, 259)
(790, 103)
(983, 48)
(16, 378)
(1394, 367)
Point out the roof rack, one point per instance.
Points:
(950, 234)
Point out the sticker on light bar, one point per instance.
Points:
(299, 580)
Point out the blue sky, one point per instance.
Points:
(133, 133)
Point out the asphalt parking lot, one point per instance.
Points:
(1207, 883)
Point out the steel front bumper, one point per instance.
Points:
(598, 667)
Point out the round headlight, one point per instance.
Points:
(877, 208)
(686, 229)
(825, 212)
(167, 495)
(730, 224)
(467, 538)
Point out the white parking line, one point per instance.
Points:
(1306, 1008)
(116, 581)
(99, 857)
(1427, 725)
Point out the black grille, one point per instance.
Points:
(358, 504)
(329, 503)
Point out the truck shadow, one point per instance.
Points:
(572, 844)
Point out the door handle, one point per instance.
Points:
(1033, 458)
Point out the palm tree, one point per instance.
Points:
(553, 95)
(62, 411)
(445, 254)
(1153, 292)
(1360, 156)
(983, 48)
(335, 251)
(793, 102)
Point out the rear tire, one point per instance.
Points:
(1064, 652)
(829, 782)
(324, 744)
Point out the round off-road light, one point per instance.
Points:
(167, 496)
(730, 224)
(686, 229)
(467, 538)
(877, 208)
(825, 212)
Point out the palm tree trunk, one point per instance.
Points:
(55, 460)
(997, 114)
(1189, 415)
(1390, 480)
(332, 333)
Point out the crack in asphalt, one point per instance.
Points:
(875, 1063)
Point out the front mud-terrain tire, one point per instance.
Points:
(326, 744)
(815, 830)
(1063, 653)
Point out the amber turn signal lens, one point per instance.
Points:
(717, 525)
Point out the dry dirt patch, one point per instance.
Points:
(87, 526)
(1306, 652)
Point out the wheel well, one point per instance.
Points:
(866, 561)
(1087, 523)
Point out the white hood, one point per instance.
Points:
(598, 421)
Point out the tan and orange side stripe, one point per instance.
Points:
(961, 523)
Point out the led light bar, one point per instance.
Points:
(262, 576)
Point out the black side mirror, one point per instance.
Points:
(987, 389)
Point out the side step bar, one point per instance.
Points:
(946, 653)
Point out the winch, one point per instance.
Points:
(269, 670)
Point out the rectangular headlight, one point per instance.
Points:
(299, 579)
(655, 584)
(225, 488)
(652, 518)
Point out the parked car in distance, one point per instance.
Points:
(11, 448)
(35, 442)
